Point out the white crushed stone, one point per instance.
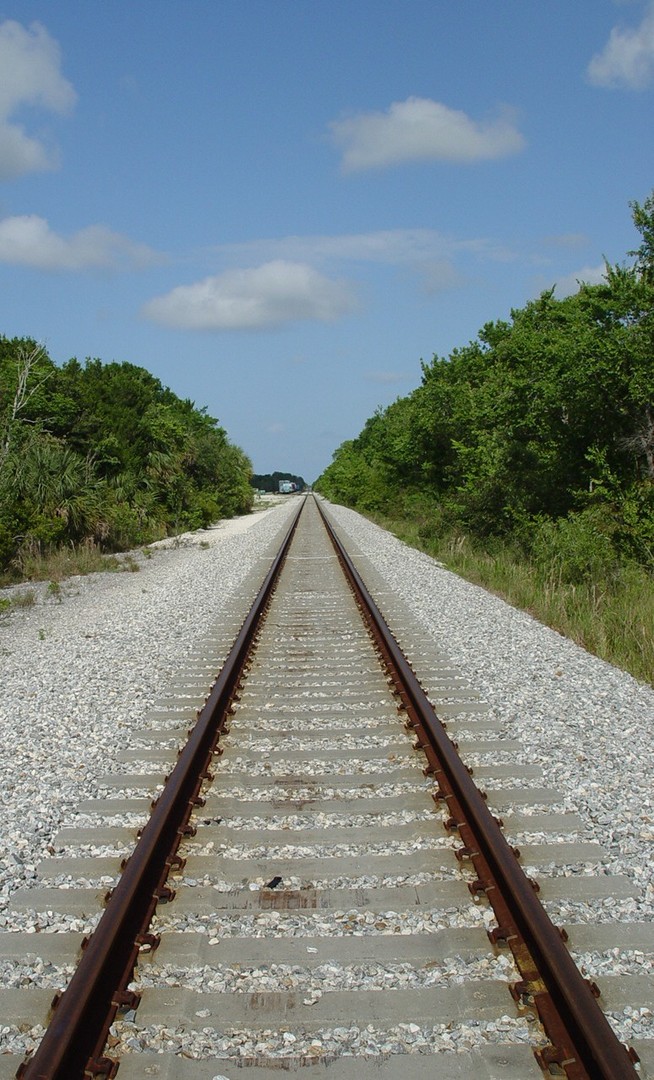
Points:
(287, 723)
(102, 820)
(326, 977)
(263, 924)
(321, 1046)
(43, 973)
(590, 725)
(294, 822)
(15, 1040)
(32, 921)
(611, 909)
(339, 767)
(345, 1041)
(327, 881)
(352, 741)
(614, 962)
(79, 676)
(271, 851)
(324, 792)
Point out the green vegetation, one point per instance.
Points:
(525, 460)
(270, 481)
(37, 562)
(99, 457)
(54, 591)
(25, 599)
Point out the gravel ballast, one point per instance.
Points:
(588, 725)
(80, 668)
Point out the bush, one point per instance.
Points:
(576, 549)
(7, 544)
(205, 510)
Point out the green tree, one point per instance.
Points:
(643, 217)
(544, 416)
(104, 451)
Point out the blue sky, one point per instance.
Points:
(279, 207)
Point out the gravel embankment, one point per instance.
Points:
(588, 724)
(79, 672)
(79, 669)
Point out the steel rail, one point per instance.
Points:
(72, 1047)
(583, 1042)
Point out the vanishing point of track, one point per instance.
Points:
(471, 853)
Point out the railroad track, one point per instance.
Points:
(342, 903)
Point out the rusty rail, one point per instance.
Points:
(583, 1043)
(72, 1047)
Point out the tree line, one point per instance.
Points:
(539, 432)
(270, 481)
(105, 453)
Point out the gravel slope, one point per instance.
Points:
(79, 671)
(588, 724)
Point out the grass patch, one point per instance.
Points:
(612, 617)
(129, 564)
(19, 601)
(31, 564)
(26, 599)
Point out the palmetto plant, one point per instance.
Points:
(55, 483)
(105, 453)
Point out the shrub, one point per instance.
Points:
(576, 549)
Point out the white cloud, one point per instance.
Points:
(30, 65)
(588, 275)
(440, 275)
(419, 129)
(28, 240)
(567, 240)
(627, 59)
(383, 246)
(427, 253)
(270, 295)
